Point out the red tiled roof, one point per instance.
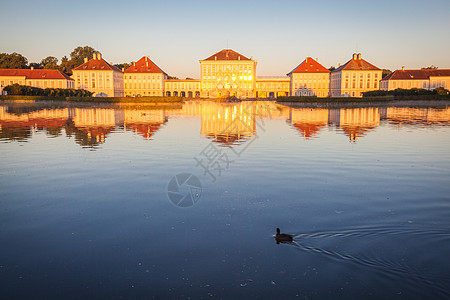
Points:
(97, 65)
(227, 54)
(35, 74)
(310, 65)
(357, 64)
(416, 74)
(144, 65)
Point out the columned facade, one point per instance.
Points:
(228, 73)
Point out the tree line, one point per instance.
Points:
(408, 92)
(18, 61)
(25, 90)
(67, 64)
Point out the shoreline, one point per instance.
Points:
(164, 101)
(444, 103)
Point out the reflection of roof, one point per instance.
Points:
(356, 64)
(416, 74)
(228, 140)
(227, 54)
(353, 132)
(145, 130)
(35, 73)
(308, 130)
(310, 65)
(97, 65)
(144, 65)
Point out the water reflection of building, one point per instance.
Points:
(228, 124)
(144, 122)
(356, 122)
(95, 123)
(309, 121)
(417, 116)
(225, 124)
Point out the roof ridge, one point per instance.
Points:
(226, 52)
(304, 68)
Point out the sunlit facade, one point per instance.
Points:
(354, 78)
(272, 87)
(182, 88)
(421, 79)
(99, 77)
(39, 78)
(309, 78)
(144, 78)
(228, 73)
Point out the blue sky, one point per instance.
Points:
(278, 34)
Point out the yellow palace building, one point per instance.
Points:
(40, 78)
(354, 78)
(99, 77)
(144, 78)
(228, 73)
(309, 79)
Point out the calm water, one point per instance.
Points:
(87, 211)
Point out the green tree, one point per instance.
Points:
(35, 65)
(432, 67)
(80, 53)
(13, 61)
(385, 73)
(331, 68)
(50, 62)
(124, 65)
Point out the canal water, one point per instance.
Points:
(182, 201)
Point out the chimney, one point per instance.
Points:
(94, 56)
(403, 68)
(146, 59)
(359, 56)
(339, 65)
(306, 60)
(99, 56)
(32, 68)
(355, 55)
(85, 59)
(134, 63)
(123, 70)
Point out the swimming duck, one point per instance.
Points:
(283, 237)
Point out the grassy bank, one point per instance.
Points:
(301, 99)
(96, 99)
(331, 99)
